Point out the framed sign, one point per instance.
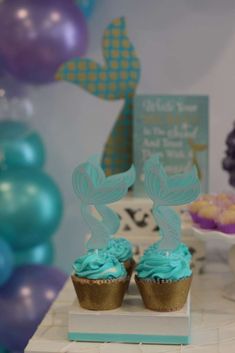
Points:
(175, 127)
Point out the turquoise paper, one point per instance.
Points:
(167, 191)
(127, 338)
(175, 127)
(93, 188)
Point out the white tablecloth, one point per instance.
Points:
(213, 322)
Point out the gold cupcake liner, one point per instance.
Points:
(164, 295)
(100, 294)
(129, 266)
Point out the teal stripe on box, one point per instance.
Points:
(127, 338)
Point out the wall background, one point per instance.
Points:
(185, 47)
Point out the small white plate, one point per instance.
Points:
(204, 234)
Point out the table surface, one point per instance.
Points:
(213, 322)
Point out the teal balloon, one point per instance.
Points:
(20, 146)
(42, 254)
(86, 6)
(6, 262)
(3, 350)
(30, 207)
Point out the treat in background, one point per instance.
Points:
(207, 216)
(214, 211)
(226, 221)
(195, 207)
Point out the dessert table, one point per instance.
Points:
(213, 322)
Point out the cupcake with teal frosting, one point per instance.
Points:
(121, 248)
(181, 249)
(99, 280)
(163, 274)
(164, 278)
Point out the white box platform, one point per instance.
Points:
(131, 323)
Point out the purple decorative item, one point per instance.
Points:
(38, 36)
(24, 300)
(206, 223)
(2, 74)
(194, 217)
(227, 228)
(228, 162)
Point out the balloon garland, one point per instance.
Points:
(86, 6)
(38, 36)
(31, 208)
(34, 284)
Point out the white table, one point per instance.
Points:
(213, 322)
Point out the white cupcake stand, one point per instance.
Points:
(214, 235)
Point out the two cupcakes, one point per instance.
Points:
(163, 275)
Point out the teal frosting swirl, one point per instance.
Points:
(121, 248)
(99, 265)
(163, 265)
(182, 250)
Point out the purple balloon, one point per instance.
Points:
(2, 72)
(38, 36)
(24, 300)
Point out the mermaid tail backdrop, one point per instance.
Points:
(116, 79)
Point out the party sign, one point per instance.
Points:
(175, 127)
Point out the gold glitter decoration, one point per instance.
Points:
(97, 294)
(162, 295)
(129, 266)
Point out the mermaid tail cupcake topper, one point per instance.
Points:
(93, 188)
(167, 191)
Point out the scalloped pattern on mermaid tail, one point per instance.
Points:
(86, 178)
(93, 188)
(167, 190)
